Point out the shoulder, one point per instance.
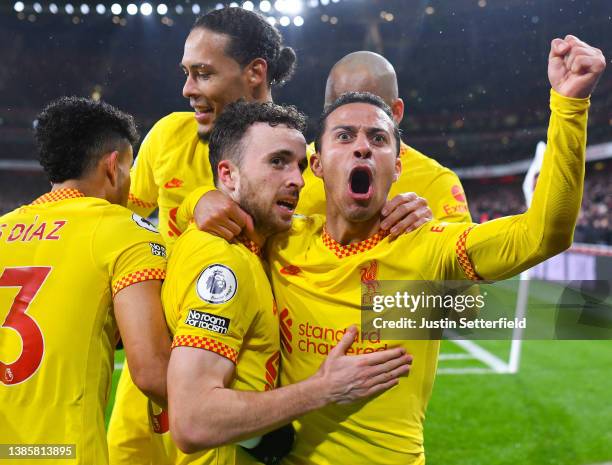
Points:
(125, 226)
(416, 160)
(299, 237)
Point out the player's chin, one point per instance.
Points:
(204, 131)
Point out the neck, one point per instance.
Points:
(347, 232)
(86, 188)
(263, 94)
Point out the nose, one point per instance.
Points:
(190, 88)
(295, 178)
(362, 148)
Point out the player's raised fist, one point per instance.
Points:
(574, 67)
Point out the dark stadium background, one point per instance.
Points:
(473, 76)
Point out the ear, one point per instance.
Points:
(397, 108)
(256, 72)
(398, 169)
(111, 167)
(316, 165)
(228, 175)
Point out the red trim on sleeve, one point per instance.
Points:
(138, 277)
(462, 256)
(205, 343)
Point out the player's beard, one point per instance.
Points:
(264, 221)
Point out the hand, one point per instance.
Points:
(347, 378)
(405, 213)
(217, 214)
(574, 67)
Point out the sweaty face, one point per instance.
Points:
(213, 79)
(270, 175)
(358, 160)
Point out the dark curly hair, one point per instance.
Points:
(355, 97)
(234, 121)
(251, 37)
(73, 133)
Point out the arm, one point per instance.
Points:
(504, 247)
(141, 322)
(205, 412)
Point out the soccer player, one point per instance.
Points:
(219, 305)
(369, 72)
(77, 270)
(317, 269)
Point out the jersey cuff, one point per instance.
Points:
(140, 203)
(138, 277)
(463, 258)
(200, 342)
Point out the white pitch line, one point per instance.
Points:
(486, 357)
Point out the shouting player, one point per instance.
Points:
(219, 305)
(75, 267)
(317, 269)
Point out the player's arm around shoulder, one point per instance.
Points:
(133, 254)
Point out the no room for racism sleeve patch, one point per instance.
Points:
(203, 320)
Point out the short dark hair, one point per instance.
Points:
(355, 97)
(235, 120)
(73, 133)
(251, 37)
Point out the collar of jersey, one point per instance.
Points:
(342, 251)
(60, 194)
(249, 244)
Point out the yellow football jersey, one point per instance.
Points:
(420, 174)
(171, 163)
(217, 297)
(62, 260)
(317, 283)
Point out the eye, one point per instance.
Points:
(379, 138)
(277, 161)
(202, 75)
(344, 136)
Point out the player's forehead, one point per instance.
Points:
(359, 115)
(206, 47)
(263, 139)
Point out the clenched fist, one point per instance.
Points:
(574, 67)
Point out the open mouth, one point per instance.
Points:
(360, 182)
(287, 204)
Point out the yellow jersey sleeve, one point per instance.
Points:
(447, 199)
(137, 254)
(504, 247)
(215, 300)
(143, 194)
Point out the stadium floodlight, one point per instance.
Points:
(162, 9)
(285, 21)
(37, 7)
(234, 5)
(69, 8)
(265, 6)
(179, 9)
(132, 9)
(219, 6)
(146, 9)
(335, 1)
(196, 9)
(271, 20)
(100, 9)
(324, 2)
(53, 8)
(313, 3)
(85, 9)
(298, 21)
(19, 7)
(248, 5)
(116, 9)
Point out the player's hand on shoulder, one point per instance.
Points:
(405, 213)
(574, 67)
(347, 378)
(217, 214)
